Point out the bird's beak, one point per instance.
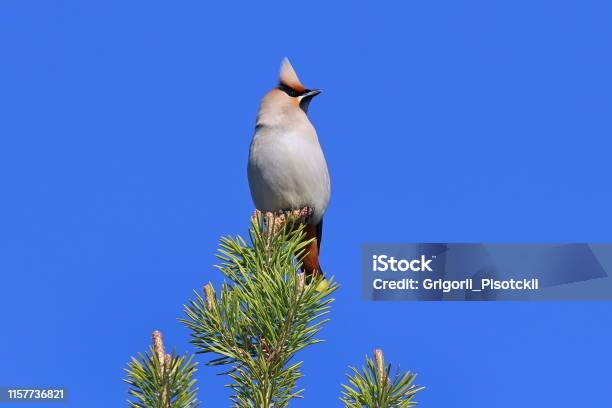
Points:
(307, 97)
(312, 93)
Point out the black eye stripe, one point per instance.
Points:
(290, 91)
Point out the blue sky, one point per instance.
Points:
(123, 142)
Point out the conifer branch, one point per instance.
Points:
(265, 312)
(160, 380)
(373, 388)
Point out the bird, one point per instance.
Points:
(286, 168)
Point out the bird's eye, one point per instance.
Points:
(288, 90)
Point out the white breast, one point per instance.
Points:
(287, 170)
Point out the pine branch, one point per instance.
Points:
(160, 380)
(373, 388)
(265, 312)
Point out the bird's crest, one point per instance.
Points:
(289, 78)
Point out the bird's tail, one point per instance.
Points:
(310, 262)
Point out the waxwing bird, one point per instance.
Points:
(287, 169)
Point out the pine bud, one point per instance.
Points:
(380, 364)
(209, 293)
(158, 346)
(301, 282)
